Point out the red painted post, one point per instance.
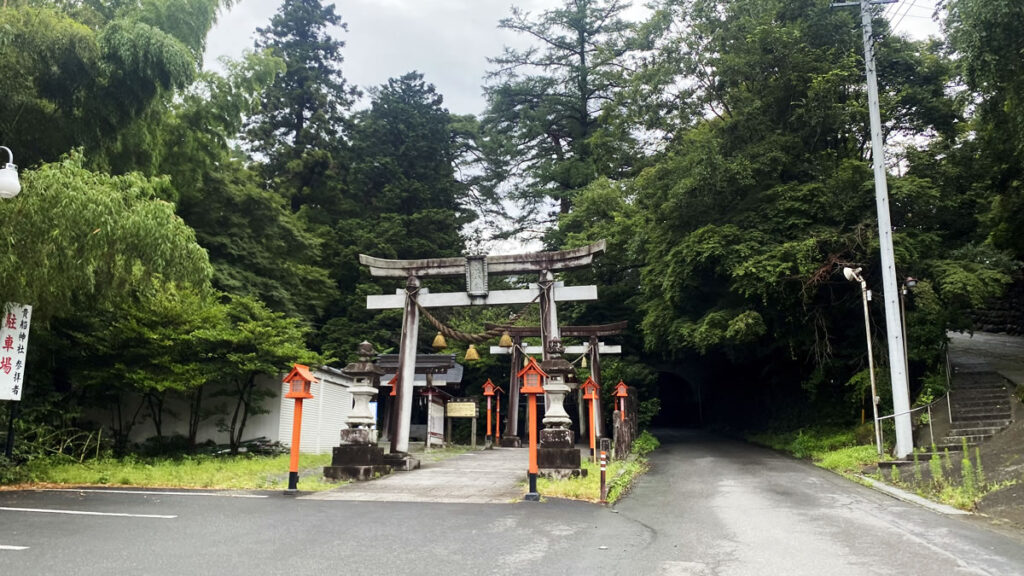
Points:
(489, 392)
(299, 381)
(532, 375)
(497, 419)
(593, 446)
(591, 394)
(293, 467)
(533, 470)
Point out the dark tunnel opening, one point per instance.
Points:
(680, 403)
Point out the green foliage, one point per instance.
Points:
(806, 443)
(247, 341)
(78, 240)
(545, 135)
(620, 476)
(76, 75)
(299, 127)
(935, 469)
(848, 460)
(644, 444)
(225, 473)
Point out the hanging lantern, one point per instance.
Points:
(471, 353)
(506, 340)
(439, 342)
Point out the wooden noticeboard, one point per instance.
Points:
(462, 408)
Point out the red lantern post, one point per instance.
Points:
(590, 392)
(488, 392)
(532, 377)
(497, 418)
(299, 381)
(621, 394)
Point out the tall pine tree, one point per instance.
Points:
(299, 131)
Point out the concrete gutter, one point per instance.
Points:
(912, 498)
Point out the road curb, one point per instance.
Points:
(912, 498)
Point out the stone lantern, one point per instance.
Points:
(364, 374)
(557, 455)
(358, 457)
(556, 388)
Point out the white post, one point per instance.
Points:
(893, 323)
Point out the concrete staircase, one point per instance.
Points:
(981, 408)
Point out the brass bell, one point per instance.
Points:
(506, 340)
(439, 342)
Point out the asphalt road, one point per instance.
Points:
(709, 507)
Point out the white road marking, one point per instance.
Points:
(3, 547)
(153, 493)
(86, 513)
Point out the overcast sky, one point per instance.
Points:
(447, 40)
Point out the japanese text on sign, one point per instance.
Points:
(459, 408)
(13, 347)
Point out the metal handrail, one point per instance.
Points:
(946, 396)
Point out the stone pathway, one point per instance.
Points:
(494, 476)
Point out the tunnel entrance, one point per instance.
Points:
(680, 403)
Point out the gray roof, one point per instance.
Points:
(452, 376)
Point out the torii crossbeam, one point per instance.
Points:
(476, 270)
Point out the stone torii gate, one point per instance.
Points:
(476, 270)
(593, 349)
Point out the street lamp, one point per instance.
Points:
(853, 275)
(9, 184)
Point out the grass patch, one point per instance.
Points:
(961, 484)
(619, 475)
(806, 443)
(849, 460)
(211, 472)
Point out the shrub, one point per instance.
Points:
(644, 444)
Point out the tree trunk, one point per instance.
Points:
(194, 417)
(155, 403)
(242, 408)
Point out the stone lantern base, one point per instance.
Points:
(557, 455)
(511, 442)
(358, 457)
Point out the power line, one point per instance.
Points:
(905, 12)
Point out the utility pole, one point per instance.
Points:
(890, 289)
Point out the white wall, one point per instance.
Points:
(323, 416)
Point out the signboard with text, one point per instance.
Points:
(13, 348)
(435, 423)
(462, 408)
